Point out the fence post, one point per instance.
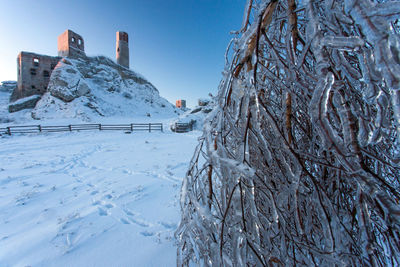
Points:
(149, 127)
(40, 128)
(70, 128)
(9, 130)
(99, 126)
(131, 127)
(162, 128)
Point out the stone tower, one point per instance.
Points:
(70, 44)
(122, 49)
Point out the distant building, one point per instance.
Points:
(34, 70)
(180, 103)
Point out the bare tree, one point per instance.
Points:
(299, 160)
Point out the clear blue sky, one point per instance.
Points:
(178, 45)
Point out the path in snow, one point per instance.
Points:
(91, 199)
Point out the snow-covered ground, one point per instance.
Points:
(91, 198)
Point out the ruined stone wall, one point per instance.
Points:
(122, 49)
(34, 72)
(70, 44)
(180, 103)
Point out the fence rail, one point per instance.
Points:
(183, 127)
(82, 127)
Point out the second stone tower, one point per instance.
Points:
(122, 49)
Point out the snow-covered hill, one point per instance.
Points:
(89, 88)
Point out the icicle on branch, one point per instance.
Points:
(299, 159)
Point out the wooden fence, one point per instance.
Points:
(82, 127)
(183, 127)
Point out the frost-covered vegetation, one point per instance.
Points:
(299, 160)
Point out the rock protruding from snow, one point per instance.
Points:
(8, 86)
(203, 102)
(66, 82)
(24, 103)
(87, 87)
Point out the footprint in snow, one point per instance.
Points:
(103, 207)
(96, 202)
(109, 206)
(168, 225)
(126, 171)
(102, 212)
(146, 233)
(131, 219)
(124, 221)
(179, 165)
(129, 213)
(139, 222)
(108, 196)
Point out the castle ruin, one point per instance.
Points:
(34, 70)
(180, 103)
(70, 44)
(122, 49)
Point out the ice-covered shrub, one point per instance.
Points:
(299, 162)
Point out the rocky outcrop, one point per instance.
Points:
(93, 86)
(24, 103)
(66, 82)
(202, 102)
